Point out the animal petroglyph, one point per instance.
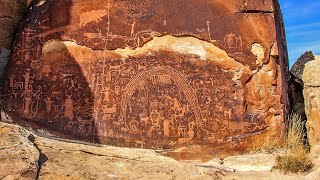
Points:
(130, 73)
(92, 16)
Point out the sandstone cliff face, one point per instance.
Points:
(311, 94)
(10, 16)
(206, 76)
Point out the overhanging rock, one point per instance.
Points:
(209, 75)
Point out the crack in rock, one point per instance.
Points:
(254, 11)
(8, 17)
(42, 157)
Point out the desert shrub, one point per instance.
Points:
(294, 163)
(296, 158)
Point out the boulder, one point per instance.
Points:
(296, 84)
(196, 78)
(297, 68)
(311, 94)
(10, 17)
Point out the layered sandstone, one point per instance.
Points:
(206, 76)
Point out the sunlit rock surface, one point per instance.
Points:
(196, 79)
(24, 155)
(311, 94)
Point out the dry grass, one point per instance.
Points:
(268, 145)
(296, 158)
(294, 163)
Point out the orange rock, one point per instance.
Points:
(311, 93)
(151, 74)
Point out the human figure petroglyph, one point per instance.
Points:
(68, 106)
(173, 103)
(232, 41)
(132, 28)
(30, 98)
(195, 91)
(27, 102)
(106, 95)
(26, 79)
(228, 114)
(48, 104)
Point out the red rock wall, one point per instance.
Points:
(153, 74)
(10, 16)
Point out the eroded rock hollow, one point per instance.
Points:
(206, 75)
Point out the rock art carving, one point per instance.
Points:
(131, 74)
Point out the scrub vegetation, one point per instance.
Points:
(296, 158)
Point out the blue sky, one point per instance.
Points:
(302, 23)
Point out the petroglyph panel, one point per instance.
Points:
(143, 74)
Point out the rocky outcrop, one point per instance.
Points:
(296, 84)
(18, 155)
(311, 94)
(10, 16)
(193, 78)
(24, 155)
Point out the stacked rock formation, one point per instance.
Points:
(209, 75)
(311, 93)
(10, 16)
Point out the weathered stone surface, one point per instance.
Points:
(296, 84)
(255, 162)
(311, 94)
(62, 160)
(10, 15)
(298, 67)
(18, 155)
(207, 76)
